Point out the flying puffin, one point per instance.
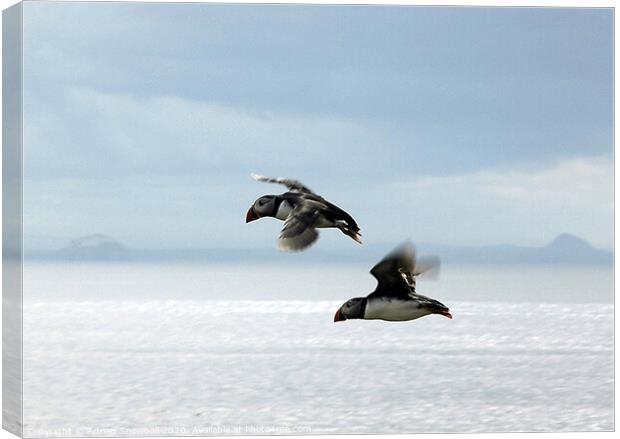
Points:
(303, 212)
(395, 298)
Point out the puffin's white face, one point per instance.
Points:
(352, 309)
(261, 207)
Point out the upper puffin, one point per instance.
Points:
(395, 298)
(303, 212)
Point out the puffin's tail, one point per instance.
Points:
(354, 234)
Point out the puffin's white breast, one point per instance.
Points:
(283, 210)
(394, 309)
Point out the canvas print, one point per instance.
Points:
(235, 219)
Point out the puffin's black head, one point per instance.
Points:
(264, 206)
(352, 309)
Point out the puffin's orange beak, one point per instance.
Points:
(251, 215)
(339, 317)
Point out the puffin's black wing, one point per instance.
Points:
(397, 271)
(393, 272)
(293, 185)
(335, 214)
(299, 230)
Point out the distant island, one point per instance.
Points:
(94, 247)
(564, 249)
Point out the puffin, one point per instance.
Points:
(395, 298)
(303, 212)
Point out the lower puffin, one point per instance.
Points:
(395, 298)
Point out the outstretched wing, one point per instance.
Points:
(396, 268)
(397, 271)
(293, 185)
(299, 230)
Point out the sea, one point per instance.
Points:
(191, 348)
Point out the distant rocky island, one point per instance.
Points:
(94, 247)
(564, 249)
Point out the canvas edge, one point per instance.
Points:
(12, 247)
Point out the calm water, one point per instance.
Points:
(130, 349)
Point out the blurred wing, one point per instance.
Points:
(396, 267)
(293, 185)
(428, 267)
(397, 272)
(299, 230)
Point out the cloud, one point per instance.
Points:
(529, 207)
(94, 134)
(456, 90)
(571, 182)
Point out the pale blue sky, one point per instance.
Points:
(448, 125)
